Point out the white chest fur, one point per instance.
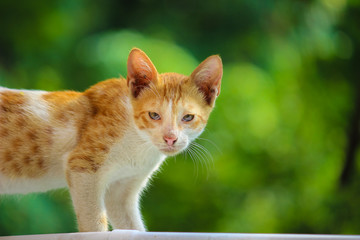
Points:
(132, 157)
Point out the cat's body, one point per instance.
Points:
(104, 144)
(57, 132)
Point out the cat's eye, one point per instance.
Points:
(154, 115)
(188, 117)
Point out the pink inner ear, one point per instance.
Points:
(139, 64)
(207, 76)
(141, 71)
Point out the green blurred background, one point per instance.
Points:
(282, 141)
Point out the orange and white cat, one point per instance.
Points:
(105, 143)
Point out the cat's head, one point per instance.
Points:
(171, 109)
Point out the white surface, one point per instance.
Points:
(137, 235)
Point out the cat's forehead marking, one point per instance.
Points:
(170, 108)
(172, 86)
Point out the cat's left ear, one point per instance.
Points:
(141, 71)
(207, 77)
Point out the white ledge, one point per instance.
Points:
(137, 235)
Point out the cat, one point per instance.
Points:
(106, 142)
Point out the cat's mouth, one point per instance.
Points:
(171, 150)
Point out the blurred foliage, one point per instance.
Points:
(278, 136)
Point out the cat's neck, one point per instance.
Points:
(109, 96)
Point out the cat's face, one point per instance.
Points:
(171, 109)
(171, 114)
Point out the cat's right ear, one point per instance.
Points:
(140, 71)
(207, 77)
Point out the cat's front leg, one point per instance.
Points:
(122, 204)
(87, 194)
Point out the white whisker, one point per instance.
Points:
(212, 143)
(203, 155)
(205, 152)
(189, 151)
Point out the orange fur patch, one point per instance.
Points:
(107, 124)
(19, 154)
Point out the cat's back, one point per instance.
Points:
(37, 129)
(20, 110)
(33, 115)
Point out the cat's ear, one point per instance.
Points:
(140, 71)
(207, 77)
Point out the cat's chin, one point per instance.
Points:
(170, 151)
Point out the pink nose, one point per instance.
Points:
(170, 140)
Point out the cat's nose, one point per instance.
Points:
(170, 140)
